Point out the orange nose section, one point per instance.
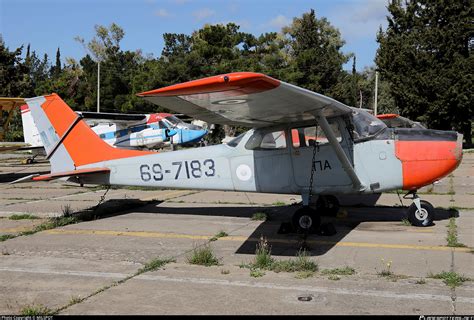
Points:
(424, 162)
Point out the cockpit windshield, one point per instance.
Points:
(173, 120)
(366, 125)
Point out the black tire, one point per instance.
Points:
(424, 218)
(328, 205)
(306, 219)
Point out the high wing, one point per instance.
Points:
(245, 99)
(8, 106)
(118, 118)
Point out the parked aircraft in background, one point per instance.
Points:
(352, 152)
(393, 120)
(130, 131)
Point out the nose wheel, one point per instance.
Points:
(420, 213)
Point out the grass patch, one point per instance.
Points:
(263, 257)
(452, 236)
(406, 222)
(451, 278)
(36, 310)
(221, 234)
(345, 271)
(278, 203)
(302, 263)
(154, 265)
(334, 277)
(5, 237)
(25, 216)
(304, 274)
(256, 273)
(225, 271)
(420, 281)
(263, 260)
(75, 300)
(203, 256)
(259, 216)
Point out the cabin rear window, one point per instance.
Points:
(267, 140)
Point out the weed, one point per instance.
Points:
(36, 310)
(5, 237)
(203, 256)
(334, 277)
(24, 216)
(75, 300)
(67, 211)
(154, 264)
(278, 203)
(301, 263)
(264, 261)
(304, 274)
(406, 222)
(259, 216)
(452, 236)
(386, 270)
(225, 271)
(451, 278)
(219, 235)
(345, 271)
(420, 281)
(256, 273)
(263, 258)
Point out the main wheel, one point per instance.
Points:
(328, 205)
(423, 217)
(306, 220)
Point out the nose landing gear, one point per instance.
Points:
(420, 213)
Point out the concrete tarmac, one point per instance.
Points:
(91, 267)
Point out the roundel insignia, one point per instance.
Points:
(243, 172)
(231, 101)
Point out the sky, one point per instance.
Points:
(49, 24)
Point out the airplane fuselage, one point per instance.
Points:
(256, 163)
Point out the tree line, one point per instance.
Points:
(307, 53)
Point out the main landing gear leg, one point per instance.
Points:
(420, 213)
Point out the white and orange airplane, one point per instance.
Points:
(129, 131)
(338, 150)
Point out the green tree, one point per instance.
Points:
(315, 46)
(425, 55)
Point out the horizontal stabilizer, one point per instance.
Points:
(52, 176)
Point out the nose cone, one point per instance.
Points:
(428, 159)
(193, 135)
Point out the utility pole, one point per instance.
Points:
(98, 85)
(376, 91)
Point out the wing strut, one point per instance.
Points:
(346, 164)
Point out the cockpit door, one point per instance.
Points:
(328, 170)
